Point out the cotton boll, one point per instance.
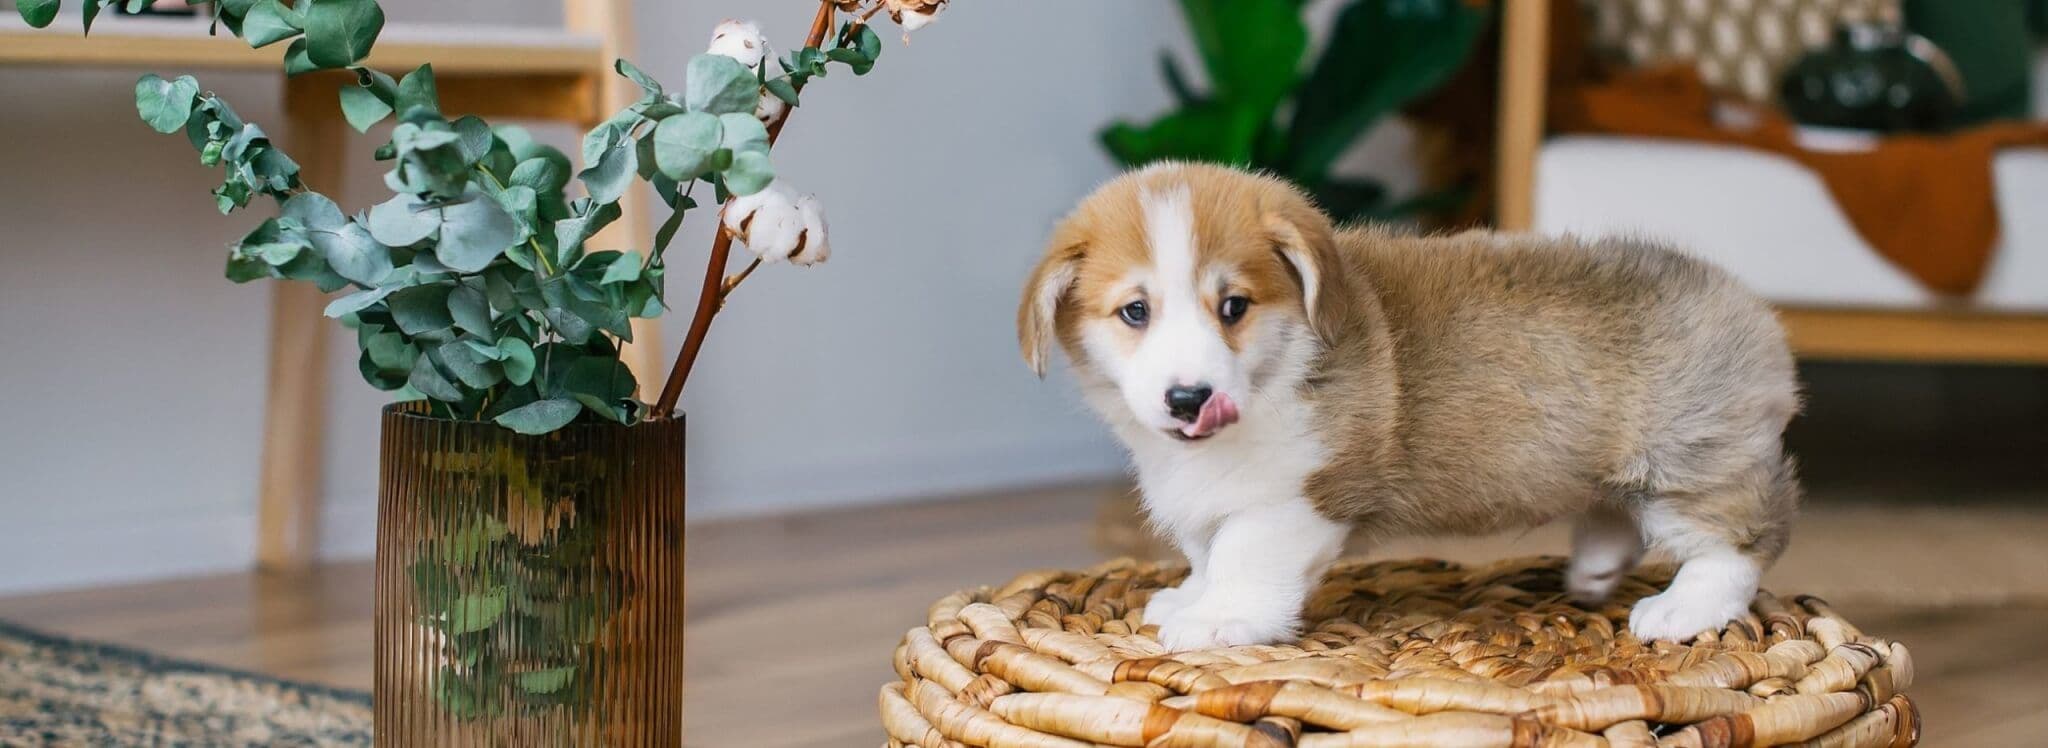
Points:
(768, 222)
(816, 245)
(914, 14)
(770, 109)
(741, 40)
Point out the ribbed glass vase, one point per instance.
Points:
(529, 588)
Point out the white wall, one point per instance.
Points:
(131, 373)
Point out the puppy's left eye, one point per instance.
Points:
(1233, 309)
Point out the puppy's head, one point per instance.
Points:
(1193, 290)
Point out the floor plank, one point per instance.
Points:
(797, 615)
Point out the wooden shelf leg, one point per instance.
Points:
(295, 404)
(1524, 57)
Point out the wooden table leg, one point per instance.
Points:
(1524, 57)
(295, 403)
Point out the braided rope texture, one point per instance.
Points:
(1398, 653)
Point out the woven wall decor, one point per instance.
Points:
(1397, 653)
(1740, 46)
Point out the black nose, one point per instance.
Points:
(1185, 403)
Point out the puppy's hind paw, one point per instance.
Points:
(1196, 628)
(1591, 587)
(1680, 617)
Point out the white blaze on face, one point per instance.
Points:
(1182, 344)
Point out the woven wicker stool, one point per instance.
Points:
(1399, 653)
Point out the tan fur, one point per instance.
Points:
(1476, 382)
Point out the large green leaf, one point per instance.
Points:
(1208, 131)
(403, 221)
(341, 32)
(1382, 54)
(719, 85)
(611, 165)
(165, 105)
(683, 144)
(1252, 49)
(474, 232)
(362, 107)
(541, 416)
(269, 22)
(422, 310)
(39, 13)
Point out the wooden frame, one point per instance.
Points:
(1946, 335)
(564, 77)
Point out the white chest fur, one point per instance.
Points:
(1188, 487)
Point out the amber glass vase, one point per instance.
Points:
(529, 588)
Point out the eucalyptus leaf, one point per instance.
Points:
(749, 173)
(474, 232)
(362, 107)
(517, 357)
(340, 32)
(269, 22)
(613, 172)
(403, 221)
(469, 367)
(297, 61)
(639, 78)
(420, 310)
(418, 91)
(429, 380)
(683, 144)
(719, 85)
(165, 105)
(476, 611)
(743, 134)
(542, 175)
(353, 253)
(546, 681)
(357, 301)
(624, 269)
(541, 416)
(469, 310)
(475, 137)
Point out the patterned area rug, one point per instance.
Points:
(61, 692)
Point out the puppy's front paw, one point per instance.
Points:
(1203, 626)
(1679, 616)
(1168, 603)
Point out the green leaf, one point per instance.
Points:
(541, 416)
(544, 176)
(403, 221)
(782, 89)
(634, 74)
(1252, 48)
(869, 43)
(358, 301)
(352, 252)
(469, 367)
(474, 232)
(719, 85)
(165, 105)
(89, 11)
(418, 91)
(39, 13)
(613, 172)
(625, 268)
(470, 311)
(391, 352)
(475, 136)
(362, 107)
(1381, 55)
(742, 134)
(546, 681)
(313, 210)
(1208, 131)
(476, 611)
(683, 144)
(517, 357)
(430, 382)
(421, 310)
(297, 60)
(340, 32)
(749, 173)
(268, 23)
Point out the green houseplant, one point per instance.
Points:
(1263, 110)
(530, 516)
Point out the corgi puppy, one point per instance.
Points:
(1279, 381)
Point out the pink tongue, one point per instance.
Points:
(1217, 413)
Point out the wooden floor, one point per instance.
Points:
(792, 620)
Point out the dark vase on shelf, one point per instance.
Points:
(1876, 78)
(529, 588)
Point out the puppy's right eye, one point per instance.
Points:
(1134, 314)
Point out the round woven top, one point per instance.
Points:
(1396, 653)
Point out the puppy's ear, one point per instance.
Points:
(1305, 240)
(1038, 312)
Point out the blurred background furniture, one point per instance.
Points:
(1766, 218)
(562, 76)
